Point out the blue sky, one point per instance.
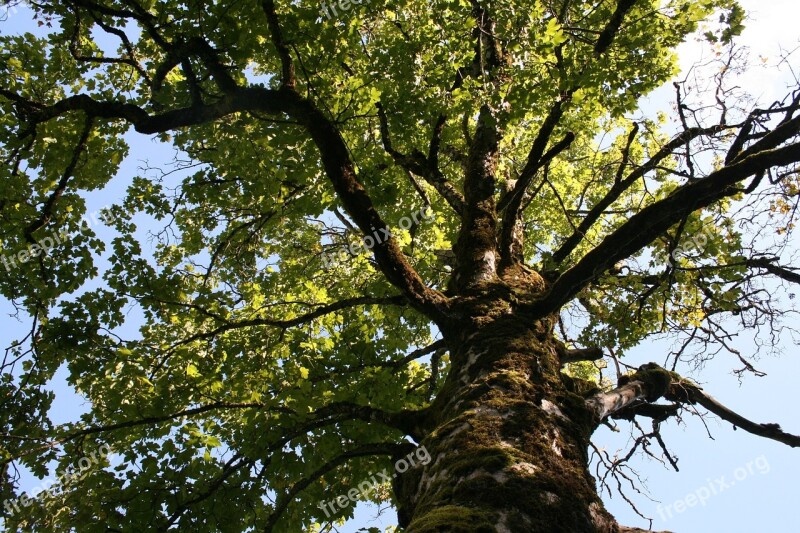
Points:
(761, 500)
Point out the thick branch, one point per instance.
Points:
(652, 382)
(630, 392)
(652, 221)
(334, 152)
(144, 421)
(264, 100)
(511, 201)
(420, 352)
(409, 422)
(179, 54)
(610, 31)
(657, 412)
(581, 354)
(785, 131)
(621, 185)
(770, 266)
(510, 204)
(287, 67)
(341, 171)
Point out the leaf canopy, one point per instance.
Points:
(264, 322)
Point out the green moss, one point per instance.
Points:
(499, 447)
(583, 422)
(656, 379)
(454, 519)
(491, 459)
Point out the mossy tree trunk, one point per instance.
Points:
(507, 435)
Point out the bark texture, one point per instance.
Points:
(508, 436)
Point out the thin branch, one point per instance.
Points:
(419, 165)
(621, 185)
(47, 211)
(299, 320)
(365, 450)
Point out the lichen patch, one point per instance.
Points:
(552, 409)
(524, 468)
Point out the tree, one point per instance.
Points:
(395, 234)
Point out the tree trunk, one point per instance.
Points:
(507, 437)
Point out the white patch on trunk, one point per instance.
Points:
(502, 524)
(500, 476)
(526, 469)
(455, 431)
(483, 410)
(472, 358)
(554, 444)
(597, 516)
(550, 498)
(552, 409)
(489, 266)
(425, 482)
(555, 447)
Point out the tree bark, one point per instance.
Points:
(507, 436)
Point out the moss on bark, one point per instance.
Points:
(508, 441)
(656, 380)
(455, 519)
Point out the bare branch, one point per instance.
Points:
(580, 354)
(655, 219)
(769, 431)
(768, 264)
(652, 382)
